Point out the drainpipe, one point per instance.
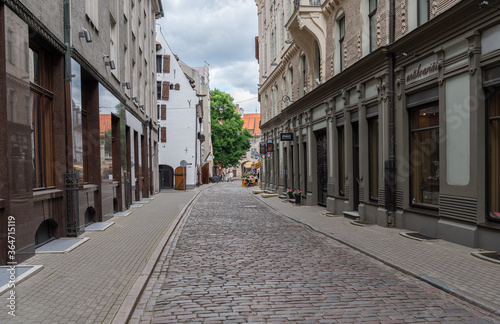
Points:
(390, 164)
(70, 177)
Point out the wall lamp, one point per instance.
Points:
(286, 98)
(136, 99)
(259, 85)
(288, 41)
(486, 4)
(85, 34)
(274, 64)
(126, 84)
(264, 77)
(111, 64)
(141, 107)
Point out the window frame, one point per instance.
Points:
(373, 157)
(411, 112)
(490, 181)
(372, 24)
(341, 25)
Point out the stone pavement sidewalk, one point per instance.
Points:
(446, 265)
(99, 281)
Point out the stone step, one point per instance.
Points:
(351, 214)
(268, 195)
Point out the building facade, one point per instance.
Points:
(250, 160)
(182, 93)
(394, 111)
(78, 101)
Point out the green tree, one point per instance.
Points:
(230, 140)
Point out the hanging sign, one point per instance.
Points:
(286, 136)
(270, 146)
(263, 149)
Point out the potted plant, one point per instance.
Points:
(297, 194)
(290, 193)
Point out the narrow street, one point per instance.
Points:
(235, 260)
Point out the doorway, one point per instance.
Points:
(166, 177)
(355, 164)
(322, 172)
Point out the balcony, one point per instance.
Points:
(297, 3)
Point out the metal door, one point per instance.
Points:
(322, 173)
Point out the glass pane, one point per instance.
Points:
(341, 160)
(373, 33)
(34, 67)
(427, 117)
(423, 11)
(373, 5)
(36, 147)
(342, 27)
(373, 160)
(495, 156)
(425, 167)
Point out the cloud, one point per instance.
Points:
(220, 32)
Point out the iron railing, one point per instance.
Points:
(72, 206)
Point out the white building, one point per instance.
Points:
(179, 107)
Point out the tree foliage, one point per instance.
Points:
(229, 140)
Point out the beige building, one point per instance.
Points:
(77, 114)
(393, 110)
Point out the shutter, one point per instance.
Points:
(166, 64)
(165, 91)
(163, 135)
(163, 112)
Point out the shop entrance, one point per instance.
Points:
(322, 173)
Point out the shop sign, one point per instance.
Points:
(286, 136)
(270, 146)
(422, 69)
(263, 149)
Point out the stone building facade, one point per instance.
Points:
(393, 106)
(77, 115)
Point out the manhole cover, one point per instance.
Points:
(417, 236)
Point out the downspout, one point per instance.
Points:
(71, 177)
(390, 164)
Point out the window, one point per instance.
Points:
(494, 158)
(92, 12)
(159, 60)
(42, 129)
(158, 90)
(290, 82)
(422, 11)
(163, 114)
(302, 83)
(165, 91)
(341, 159)
(373, 24)
(113, 43)
(163, 135)
(317, 65)
(373, 156)
(424, 155)
(341, 26)
(166, 64)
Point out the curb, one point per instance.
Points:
(476, 301)
(129, 303)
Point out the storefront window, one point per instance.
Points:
(495, 155)
(42, 130)
(424, 155)
(373, 153)
(341, 160)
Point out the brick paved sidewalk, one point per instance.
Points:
(446, 265)
(90, 283)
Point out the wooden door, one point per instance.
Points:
(180, 178)
(205, 170)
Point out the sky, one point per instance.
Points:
(221, 33)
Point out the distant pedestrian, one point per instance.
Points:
(231, 176)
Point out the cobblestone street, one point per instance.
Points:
(235, 260)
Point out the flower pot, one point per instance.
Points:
(290, 195)
(297, 199)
